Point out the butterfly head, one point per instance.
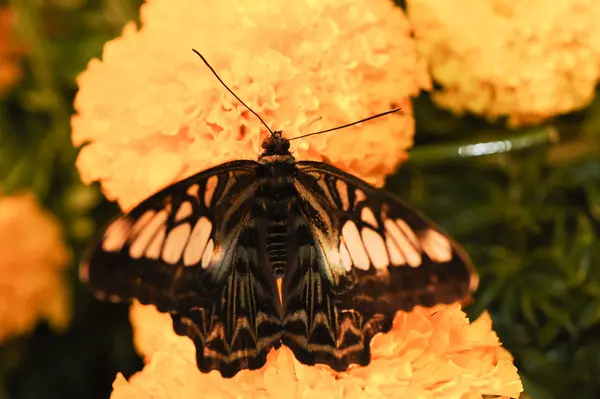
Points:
(276, 148)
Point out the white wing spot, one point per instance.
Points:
(395, 255)
(208, 254)
(359, 196)
(345, 255)
(355, 245)
(436, 246)
(142, 221)
(153, 250)
(368, 217)
(197, 242)
(193, 191)
(325, 188)
(175, 243)
(474, 281)
(116, 235)
(185, 210)
(333, 256)
(376, 248)
(411, 254)
(408, 232)
(230, 181)
(84, 272)
(146, 234)
(211, 185)
(342, 189)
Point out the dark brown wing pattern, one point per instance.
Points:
(362, 256)
(191, 250)
(203, 250)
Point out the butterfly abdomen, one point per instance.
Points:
(275, 198)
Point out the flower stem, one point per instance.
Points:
(439, 153)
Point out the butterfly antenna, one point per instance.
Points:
(348, 124)
(314, 120)
(309, 125)
(229, 90)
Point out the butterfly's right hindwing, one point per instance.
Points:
(189, 251)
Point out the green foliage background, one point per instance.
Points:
(529, 216)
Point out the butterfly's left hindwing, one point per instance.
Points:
(188, 250)
(369, 256)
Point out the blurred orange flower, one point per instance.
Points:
(527, 59)
(10, 51)
(33, 257)
(430, 353)
(151, 113)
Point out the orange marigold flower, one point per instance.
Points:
(33, 256)
(10, 51)
(150, 112)
(430, 353)
(527, 60)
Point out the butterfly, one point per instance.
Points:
(250, 255)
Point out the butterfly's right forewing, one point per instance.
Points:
(360, 256)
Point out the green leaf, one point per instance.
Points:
(548, 333)
(558, 314)
(528, 309)
(589, 316)
(487, 295)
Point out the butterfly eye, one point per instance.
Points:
(267, 143)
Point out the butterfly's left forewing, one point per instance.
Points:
(191, 250)
(368, 256)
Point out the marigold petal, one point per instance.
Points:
(151, 113)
